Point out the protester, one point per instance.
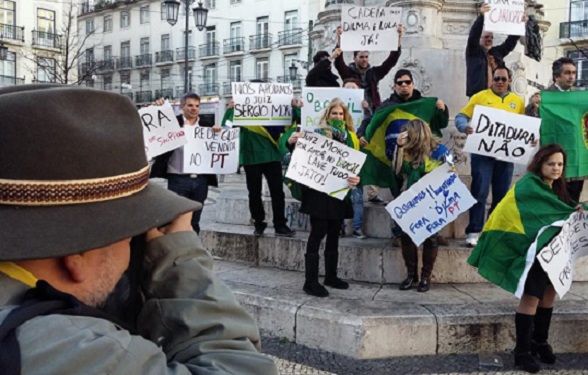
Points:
(487, 171)
(537, 200)
(564, 77)
(532, 109)
(482, 57)
(171, 164)
(418, 153)
(326, 212)
(66, 229)
(321, 74)
(260, 157)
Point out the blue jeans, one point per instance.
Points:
(194, 188)
(357, 202)
(487, 171)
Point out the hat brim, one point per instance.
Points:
(28, 232)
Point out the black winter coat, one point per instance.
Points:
(321, 75)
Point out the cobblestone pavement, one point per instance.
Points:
(293, 359)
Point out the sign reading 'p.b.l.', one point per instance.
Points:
(370, 28)
(161, 130)
(505, 17)
(211, 152)
(267, 104)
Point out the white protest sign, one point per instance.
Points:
(558, 259)
(430, 204)
(502, 135)
(324, 164)
(211, 152)
(505, 17)
(370, 28)
(268, 104)
(161, 130)
(317, 99)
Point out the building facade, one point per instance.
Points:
(141, 55)
(573, 36)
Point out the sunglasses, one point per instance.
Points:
(405, 82)
(500, 79)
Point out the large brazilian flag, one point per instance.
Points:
(504, 254)
(564, 120)
(377, 169)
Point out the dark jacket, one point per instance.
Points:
(321, 75)
(476, 60)
(159, 168)
(370, 79)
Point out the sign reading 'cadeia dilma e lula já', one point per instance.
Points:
(370, 28)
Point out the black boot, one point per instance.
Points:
(331, 263)
(539, 345)
(430, 249)
(311, 284)
(411, 261)
(522, 352)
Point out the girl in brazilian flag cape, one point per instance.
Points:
(507, 249)
(326, 212)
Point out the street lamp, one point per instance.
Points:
(172, 10)
(294, 69)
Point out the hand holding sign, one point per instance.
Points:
(161, 130)
(505, 16)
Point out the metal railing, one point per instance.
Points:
(208, 89)
(296, 83)
(11, 80)
(209, 49)
(181, 53)
(574, 29)
(129, 94)
(42, 81)
(233, 45)
(144, 96)
(260, 41)
(107, 65)
(164, 93)
(227, 89)
(290, 37)
(12, 32)
(143, 60)
(125, 62)
(44, 39)
(164, 56)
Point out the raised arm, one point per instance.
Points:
(382, 70)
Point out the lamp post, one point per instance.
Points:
(172, 10)
(294, 69)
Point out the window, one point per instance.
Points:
(144, 83)
(45, 69)
(263, 39)
(262, 68)
(108, 57)
(125, 19)
(89, 55)
(144, 46)
(125, 78)
(236, 2)
(582, 64)
(107, 84)
(89, 26)
(579, 11)
(45, 21)
(235, 71)
(8, 66)
(125, 49)
(89, 82)
(163, 12)
(263, 25)
(165, 45)
(165, 78)
(210, 35)
(8, 14)
(210, 4)
(236, 41)
(291, 20)
(144, 13)
(210, 75)
(107, 24)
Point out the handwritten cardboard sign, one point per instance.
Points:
(209, 152)
(317, 99)
(370, 28)
(264, 104)
(428, 206)
(324, 164)
(558, 259)
(161, 130)
(502, 135)
(505, 17)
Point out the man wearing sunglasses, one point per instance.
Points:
(488, 171)
(482, 57)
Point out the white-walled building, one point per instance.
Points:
(141, 55)
(32, 32)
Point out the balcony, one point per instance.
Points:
(233, 46)
(46, 40)
(209, 50)
(107, 65)
(260, 42)
(144, 96)
(125, 62)
(42, 81)
(208, 89)
(11, 81)
(163, 57)
(129, 94)
(296, 83)
(290, 38)
(143, 60)
(181, 54)
(11, 32)
(86, 67)
(574, 29)
(164, 93)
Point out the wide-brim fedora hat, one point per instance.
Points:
(73, 173)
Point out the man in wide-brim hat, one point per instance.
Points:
(74, 192)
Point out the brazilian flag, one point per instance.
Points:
(387, 121)
(503, 255)
(564, 120)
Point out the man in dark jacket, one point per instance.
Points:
(171, 164)
(321, 75)
(482, 57)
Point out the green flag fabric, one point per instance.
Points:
(503, 255)
(564, 120)
(378, 169)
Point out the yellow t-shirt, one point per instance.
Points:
(511, 102)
